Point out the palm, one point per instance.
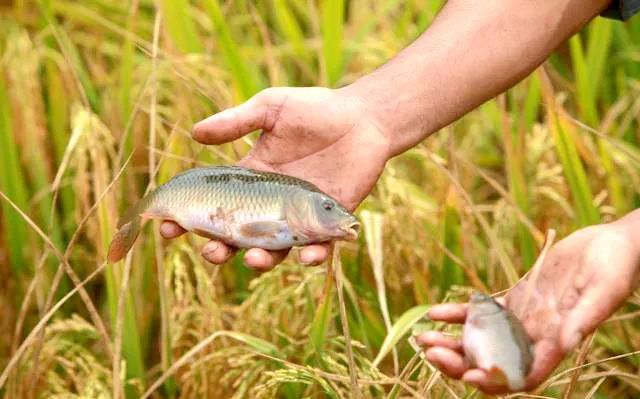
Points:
(320, 136)
(582, 281)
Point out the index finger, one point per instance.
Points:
(449, 313)
(313, 255)
(169, 229)
(483, 381)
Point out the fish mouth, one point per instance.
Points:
(351, 228)
(479, 297)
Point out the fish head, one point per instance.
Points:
(482, 304)
(317, 216)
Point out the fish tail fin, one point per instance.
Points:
(128, 230)
(135, 211)
(123, 240)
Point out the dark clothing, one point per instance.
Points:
(622, 9)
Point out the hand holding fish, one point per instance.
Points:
(321, 135)
(583, 280)
(340, 139)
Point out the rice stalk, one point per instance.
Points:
(336, 264)
(572, 166)
(42, 322)
(332, 26)
(471, 201)
(248, 81)
(13, 183)
(372, 226)
(181, 26)
(514, 142)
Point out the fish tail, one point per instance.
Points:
(128, 230)
(135, 210)
(123, 240)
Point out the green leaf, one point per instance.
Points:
(400, 328)
(321, 321)
(255, 343)
(332, 25)
(180, 26)
(13, 184)
(247, 81)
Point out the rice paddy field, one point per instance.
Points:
(97, 99)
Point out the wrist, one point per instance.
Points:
(401, 123)
(368, 114)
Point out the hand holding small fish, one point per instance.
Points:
(343, 154)
(581, 282)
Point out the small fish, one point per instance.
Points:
(495, 340)
(242, 207)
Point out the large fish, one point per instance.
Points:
(495, 340)
(242, 207)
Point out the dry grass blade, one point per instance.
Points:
(26, 303)
(436, 375)
(407, 371)
(258, 346)
(554, 379)
(609, 139)
(61, 269)
(582, 355)
(505, 262)
(372, 223)
(118, 391)
(594, 388)
(535, 269)
(43, 322)
(336, 264)
(95, 315)
(521, 215)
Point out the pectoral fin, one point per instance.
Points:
(497, 375)
(265, 229)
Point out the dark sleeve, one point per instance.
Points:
(622, 9)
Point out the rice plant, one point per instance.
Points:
(97, 100)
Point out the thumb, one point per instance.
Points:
(595, 305)
(259, 112)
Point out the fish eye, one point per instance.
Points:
(327, 205)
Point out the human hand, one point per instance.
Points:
(582, 281)
(321, 135)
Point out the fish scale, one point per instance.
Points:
(242, 207)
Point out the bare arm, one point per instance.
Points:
(473, 51)
(341, 139)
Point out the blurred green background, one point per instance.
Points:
(97, 99)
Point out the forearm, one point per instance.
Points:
(473, 51)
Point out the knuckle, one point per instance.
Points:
(266, 96)
(269, 104)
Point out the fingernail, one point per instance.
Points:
(210, 248)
